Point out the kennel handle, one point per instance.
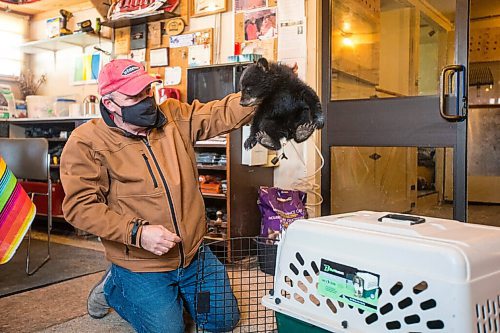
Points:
(407, 218)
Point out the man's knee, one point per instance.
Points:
(220, 321)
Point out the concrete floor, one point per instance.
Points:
(60, 307)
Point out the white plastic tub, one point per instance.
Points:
(40, 106)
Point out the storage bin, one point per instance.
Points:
(381, 272)
(266, 250)
(40, 106)
(61, 106)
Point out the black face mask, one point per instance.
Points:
(143, 114)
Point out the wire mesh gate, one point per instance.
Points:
(250, 264)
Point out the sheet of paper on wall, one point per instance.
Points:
(291, 10)
(199, 55)
(181, 40)
(292, 41)
(138, 55)
(173, 76)
(158, 57)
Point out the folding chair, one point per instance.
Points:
(30, 159)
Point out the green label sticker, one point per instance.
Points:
(349, 285)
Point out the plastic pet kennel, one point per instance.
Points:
(380, 272)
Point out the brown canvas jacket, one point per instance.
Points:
(111, 180)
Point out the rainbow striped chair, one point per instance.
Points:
(26, 159)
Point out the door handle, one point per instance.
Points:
(447, 74)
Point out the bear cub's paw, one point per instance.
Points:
(303, 132)
(250, 142)
(265, 140)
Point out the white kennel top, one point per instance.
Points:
(435, 275)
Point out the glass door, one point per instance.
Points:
(483, 147)
(396, 97)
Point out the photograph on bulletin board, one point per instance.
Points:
(260, 24)
(241, 5)
(87, 68)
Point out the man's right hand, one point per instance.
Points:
(157, 239)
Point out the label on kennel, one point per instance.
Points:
(349, 285)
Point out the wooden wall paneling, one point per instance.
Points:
(121, 41)
(184, 11)
(239, 27)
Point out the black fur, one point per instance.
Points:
(286, 106)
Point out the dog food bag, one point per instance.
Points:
(279, 208)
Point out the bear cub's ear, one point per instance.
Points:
(263, 64)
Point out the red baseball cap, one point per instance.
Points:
(125, 76)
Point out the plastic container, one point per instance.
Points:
(61, 107)
(21, 111)
(266, 254)
(75, 110)
(40, 106)
(430, 274)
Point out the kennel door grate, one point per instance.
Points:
(488, 316)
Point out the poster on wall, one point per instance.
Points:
(182, 40)
(173, 76)
(86, 68)
(260, 24)
(241, 5)
(292, 43)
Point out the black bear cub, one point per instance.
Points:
(286, 106)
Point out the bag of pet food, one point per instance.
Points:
(279, 208)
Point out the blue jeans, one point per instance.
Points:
(153, 302)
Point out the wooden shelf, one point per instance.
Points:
(211, 167)
(63, 42)
(126, 22)
(220, 196)
(210, 145)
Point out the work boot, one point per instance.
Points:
(97, 306)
